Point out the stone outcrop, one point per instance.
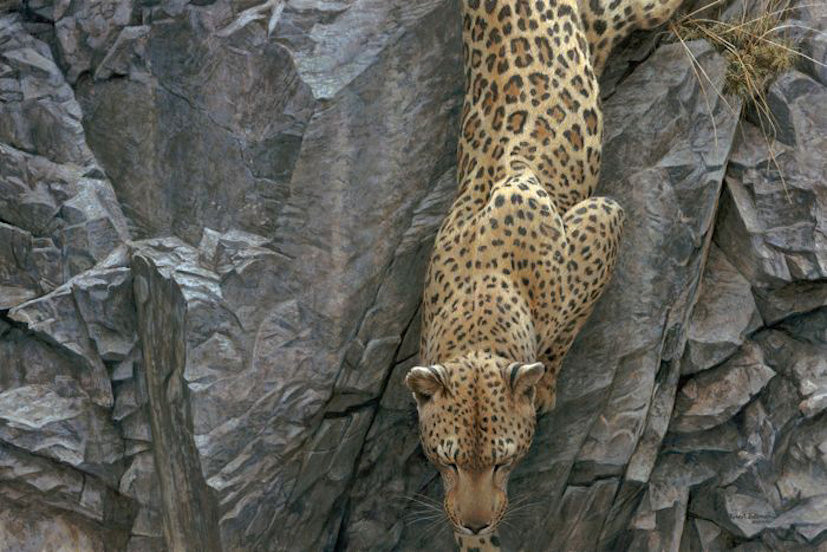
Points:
(215, 218)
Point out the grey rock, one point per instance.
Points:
(584, 509)
(661, 529)
(704, 536)
(393, 313)
(392, 460)
(94, 225)
(55, 317)
(793, 100)
(817, 50)
(52, 484)
(127, 56)
(747, 515)
(26, 266)
(236, 98)
(52, 187)
(760, 433)
(763, 470)
(136, 429)
(104, 301)
(805, 364)
(399, 519)
(60, 422)
(770, 217)
(140, 482)
(813, 405)
(741, 512)
(782, 401)
(189, 512)
(86, 30)
(751, 547)
(92, 317)
(801, 457)
(713, 396)
(204, 400)
(325, 55)
(661, 519)
(27, 360)
(286, 165)
(722, 438)
(245, 267)
(807, 518)
(39, 113)
(723, 316)
(127, 401)
(24, 530)
(675, 474)
(809, 328)
(27, 201)
(630, 53)
(364, 280)
(62, 209)
(249, 102)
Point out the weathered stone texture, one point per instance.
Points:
(215, 218)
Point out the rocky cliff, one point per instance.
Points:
(214, 223)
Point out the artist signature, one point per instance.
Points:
(753, 516)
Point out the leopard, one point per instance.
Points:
(526, 249)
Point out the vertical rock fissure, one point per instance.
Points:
(190, 512)
(340, 543)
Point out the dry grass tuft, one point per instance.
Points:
(757, 47)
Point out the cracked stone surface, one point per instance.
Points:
(724, 315)
(711, 398)
(215, 218)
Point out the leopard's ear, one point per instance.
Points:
(522, 378)
(426, 381)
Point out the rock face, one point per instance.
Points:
(215, 218)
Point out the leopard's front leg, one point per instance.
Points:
(593, 229)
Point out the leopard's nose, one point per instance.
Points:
(476, 529)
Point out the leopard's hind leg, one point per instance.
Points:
(607, 22)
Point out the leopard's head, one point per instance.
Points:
(476, 421)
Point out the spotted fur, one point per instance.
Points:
(525, 251)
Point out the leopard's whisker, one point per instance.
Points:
(426, 504)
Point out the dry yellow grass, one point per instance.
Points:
(757, 48)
